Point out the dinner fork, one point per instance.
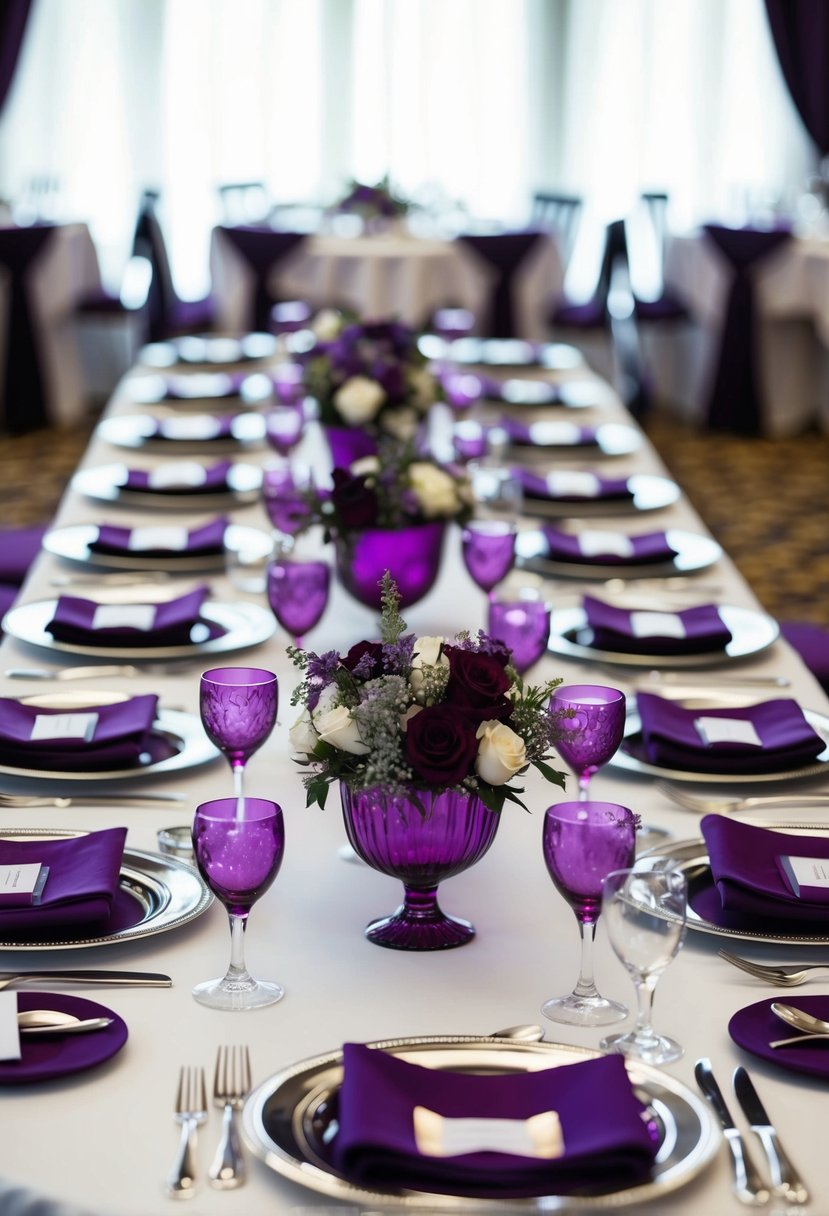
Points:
(783, 975)
(190, 1111)
(714, 806)
(231, 1084)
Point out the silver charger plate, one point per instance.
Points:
(105, 483)
(691, 856)
(693, 552)
(182, 731)
(648, 493)
(73, 544)
(137, 431)
(211, 350)
(246, 624)
(612, 439)
(751, 633)
(170, 893)
(285, 1118)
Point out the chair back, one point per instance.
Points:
(504, 252)
(243, 202)
(262, 248)
(148, 242)
(558, 213)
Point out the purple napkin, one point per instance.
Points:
(147, 482)
(589, 547)
(698, 629)
(773, 736)
(91, 737)
(175, 623)
(606, 1144)
(208, 540)
(82, 881)
(746, 867)
(584, 487)
(548, 434)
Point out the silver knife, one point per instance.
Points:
(785, 1180)
(130, 979)
(747, 1184)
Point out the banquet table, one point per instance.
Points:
(102, 1141)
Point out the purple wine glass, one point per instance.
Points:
(592, 732)
(238, 845)
(488, 547)
(238, 710)
(523, 624)
(285, 493)
(583, 842)
(298, 593)
(284, 426)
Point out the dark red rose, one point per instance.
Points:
(355, 501)
(477, 684)
(369, 656)
(441, 745)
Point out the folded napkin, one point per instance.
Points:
(207, 386)
(175, 623)
(83, 739)
(575, 486)
(692, 631)
(165, 541)
(548, 434)
(82, 881)
(403, 1125)
(749, 875)
(193, 428)
(607, 548)
(181, 477)
(769, 737)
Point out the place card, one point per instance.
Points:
(120, 616)
(581, 485)
(185, 473)
(22, 883)
(9, 1030)
(727, 730)
(437, 1135)
(64, 726)
(595, 544)
(656, 625)
(550, 433)
(805, 875)
(174, 539)
(189, 428)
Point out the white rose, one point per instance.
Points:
(366, 465)
(425, 653)
(400, 423)
(501, 753)
(337, 727)
(327, 324)
(434, 489)
(302, 736)
(422, 388)
(359, 400)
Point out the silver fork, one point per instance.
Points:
(784, 975)
(191, 1110)
(15, 800)
(712, 806)
(231, 1084)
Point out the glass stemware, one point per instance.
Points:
(521, 620)
(645, 910)
(591, 734)
(298, 592)
(488, 547)
(583, 842)
(284, 426)
(238, 845)
(238, 710)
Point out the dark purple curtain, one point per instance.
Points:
(24, 393)
(13, 17)
(800, 29)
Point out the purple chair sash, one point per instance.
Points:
(83, 879)
(262, 249)
(505, 253)
(24, 391)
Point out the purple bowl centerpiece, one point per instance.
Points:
(411, 555)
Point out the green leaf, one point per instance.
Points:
(550, 774)
(512, 796)
(492, 797)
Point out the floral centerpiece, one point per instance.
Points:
(372, 202)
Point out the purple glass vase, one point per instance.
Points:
(421, 847)
(347, 444)
(411, 555)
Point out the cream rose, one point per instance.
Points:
(400, 423)
(327, 324)
(337, 727)
(366, 465)
(359, 400)
(434, 489)
(422, 388)
(425, 653)
(501, 753)
(302, 736)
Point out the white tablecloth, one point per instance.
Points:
(105, 1139)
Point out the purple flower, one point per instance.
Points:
(477, 684)
(354, 500)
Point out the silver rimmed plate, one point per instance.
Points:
(210, 350)
(288, 1122)
(167, 894)
(561, 438)
(647, 493)
(751, 633)
(73, 544)
(106, 483)
(194, 432)
(691, 856)
(244, 624)
(692, 552)
(178, 738)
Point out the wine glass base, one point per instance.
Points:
(402, 932)
(232, 996)
(657, 1050)
(584, 1010)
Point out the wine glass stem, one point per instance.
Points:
(237, 969)
(645, 986)
(584, 786)
(239, 780)
(586, 986)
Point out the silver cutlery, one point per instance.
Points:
(746, 1183)
(799, 1018)
(781, 975)
(722, 805)
(707, 681)
(87, 799)
(797, 1039)
(76, 1026)
(190, 1111)
(231, 1085)
(785, 1181)
(123, 979)
(127, 579)
(72, 673)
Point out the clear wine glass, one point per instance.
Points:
(645, 910)
(592, 732)
(521, 620)
(298, 591)
(583, 842)
(238, 845)
(238, 710)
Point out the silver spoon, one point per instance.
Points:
(520, 1034)
(800, 1019)
(52, 1021)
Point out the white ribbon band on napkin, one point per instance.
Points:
(181, 473)
(586, 485)
(119, 616)
(439, 1136)
(727, 730)
(64, 726)
(174, 539)
(656, 625)
(592, 544)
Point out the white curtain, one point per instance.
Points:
(471, 102)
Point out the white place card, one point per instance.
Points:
(9, 1030)
(805, 873)
(585, 485)
(190, 428)
(22, 883)
(64, 726)
(564, 433)
(656, 625)
(120, 616)
(441, 1136)
(594, 543)
(174, 539)
(183, 473)
(727, 730)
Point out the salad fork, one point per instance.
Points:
(231, 1085)
(714, 806)
(783, 975)
(190, 1111)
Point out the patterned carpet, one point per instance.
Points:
(766, 501)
